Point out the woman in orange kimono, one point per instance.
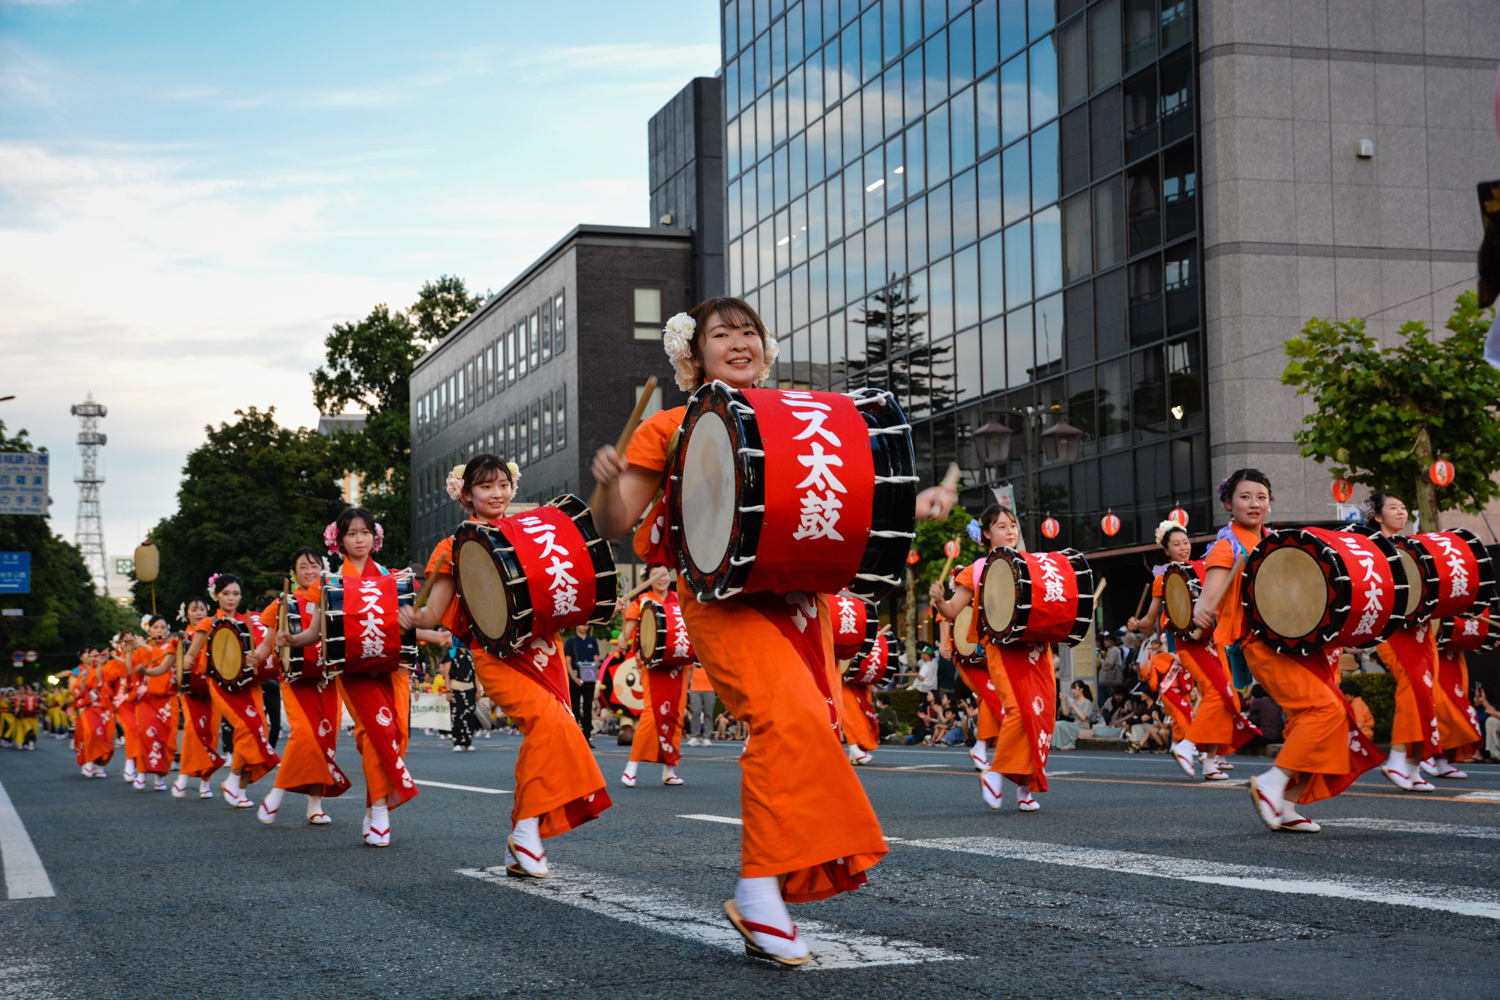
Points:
(660, 686)
(93, 726)
(156, 706)
(1323, 751)
(809, 831)
(119, 688)
(245, 709)
(558, 783)
(312, 706)
(1017, 756)
(200, 716)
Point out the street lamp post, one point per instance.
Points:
(1059, 442)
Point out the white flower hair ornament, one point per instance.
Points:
(211, 581)
(515, 473)
(145, 621)
(455, 484)
(1168, 525)
(182, 611)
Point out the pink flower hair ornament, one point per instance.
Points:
(211, 581)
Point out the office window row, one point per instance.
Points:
(528, 344)
(528, 435)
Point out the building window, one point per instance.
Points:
(534, 329)
(561, 419)
(558, 327)
(547, 330)
(653, 405)
(536, 431)
(645, 313)
(511, 445)
(547, 425)
(521, 441)
(515, 360)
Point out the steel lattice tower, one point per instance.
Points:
(89, 536)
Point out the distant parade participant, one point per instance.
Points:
(809, 831)
(8, 723)
(1458, 726)
(1410, 654)
(1316, 760)
(120, 692)
(1218, 726)
(200, 716)
(309, 765)
(26, 706)
(1018, 756)
(658, 734)
(154, 677)
(57, 711)
(558, 784)
(243, 709)
(94, 728)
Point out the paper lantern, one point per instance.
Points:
(1342, 490)
(1441, 472)
(147, 562)
(1179, 515)
(912, 557)
(1050, 527)
(950, 548)
(1110, 524)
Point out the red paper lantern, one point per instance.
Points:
(912, 558)
(1110, 524)
(950, 548)
(1342, 490)
(1050, 527)
(1441, 472)
(1179, 515)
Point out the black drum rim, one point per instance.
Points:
(895, 498)
(1339, 588)
(1002, 555)
(1427, 601)
(511, 574)
(1195, 589)
(866, 647)
(243, 679)
(1021, 572)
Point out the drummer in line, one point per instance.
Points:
(809, 831)
(647, 743)
(558, 783)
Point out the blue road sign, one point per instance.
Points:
(15, 572)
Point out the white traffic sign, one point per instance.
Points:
(23, 483)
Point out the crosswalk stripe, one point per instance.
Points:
(680, 915)
(1396, 892)
(1479, 796)
(705, 817)
(25, 875)
(463, 788)
(1416, 826)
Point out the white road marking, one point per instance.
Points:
(1396, 892)
(922, 767)
(675, 913)
(1479, 796)
(25, 876)
(464, 788)
(1227, 783)
(713, 819)
(1414, 826)
(1059, 774)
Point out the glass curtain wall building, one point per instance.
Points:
(983, 206)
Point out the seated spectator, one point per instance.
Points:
(727, 727)
(1115, 713)
(1078, 711)
(929, 716)
(1362, 714)
(1150, 732)
(1266, 716)
(1489, 719)
(886, 717)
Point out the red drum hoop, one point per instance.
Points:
(662, 637)
(370, 606)
(1468, 633)
(786, 490)
(853, 627)
(966, 653)
(1454, 571)
(874, 666)
(551, 554)
(229, 654)
(1310, 589)
(1036, 596)
(1181, 585)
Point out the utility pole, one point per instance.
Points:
(89, 535)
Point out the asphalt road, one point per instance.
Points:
(1132, 881)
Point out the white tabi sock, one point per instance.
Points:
(314, 805)
(232, 784)
(630, 769)
(527, 833)
(380, 818)
(1023, 793)
(204, 784)
(759, 902)
(272, 801)
(668, 771)
(1397, 762)
(1272, 784)
(130, 769)
(181, 782)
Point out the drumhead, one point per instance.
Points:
(961, 644)
(999, 595)
(708, 492)
(1177, 598)
(228, 658)
(1413, 581)
(648, 632)
(484, 592)
(1291, 593)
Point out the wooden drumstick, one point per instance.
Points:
(630, 425)
(420, 600)
(1141, 604)
(947, 567)
(1239, 564)
(644, 586)
(281, 623)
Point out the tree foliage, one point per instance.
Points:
(443, 304)
(931, 537)
(252, 494)
(63, 612)
(1385, 414)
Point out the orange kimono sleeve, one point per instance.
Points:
(648, 446)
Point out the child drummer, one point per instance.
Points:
(558, 783)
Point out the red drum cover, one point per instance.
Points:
(874, 667)
(851, 625)
(1455, 568)
(1464, 635)
(1036, 596)
(559, 569)
(372, 630)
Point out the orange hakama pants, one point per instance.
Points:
(379, 782)
(859, 728)
(1015, 757)
(305, 768)
(644, 746)
(156, 731)
(1211, 728)
(806, 816)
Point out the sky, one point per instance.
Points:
(192, 194)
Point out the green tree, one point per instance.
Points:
(252, 494)
(63, 612)
(1385, 414)
(443, 304)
